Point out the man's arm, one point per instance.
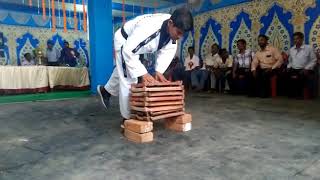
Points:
(312, 60)
(290, 60)
(164, 57)
(278, 57)
(134, 66)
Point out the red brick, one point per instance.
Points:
(138, 138)
(183, 119)
(138, 126)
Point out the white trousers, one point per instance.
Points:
(119, 85)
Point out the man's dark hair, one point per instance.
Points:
(182, 19)
(65, 42)
(242, 41)
(263, 36)
(217, 45)
(191, 47)
(222, 51)
(26, 54)
(299, 34)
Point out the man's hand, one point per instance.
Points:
(254, 73)
(234, 75)
(148, 79)
(159, 77)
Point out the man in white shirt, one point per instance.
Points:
(190, 63)
(52, 54)
(223, 71)
(28, 60)
(147, 33)
(302, 61)
(199, 77)
(241, 73)
(209, 64)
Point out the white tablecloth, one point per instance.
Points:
(18, 79)
(32, 79)
(68, 78)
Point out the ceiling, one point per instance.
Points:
(132, 7)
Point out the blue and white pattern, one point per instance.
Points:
(26, 44)
(276, 25)
(210, 34)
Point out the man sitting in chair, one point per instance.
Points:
(269, 60)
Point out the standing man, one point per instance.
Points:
(69, 55)
(143, 34)
(52, 54)
(191, 62)
(268, 59)
(302, 62)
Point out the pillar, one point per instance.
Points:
(101, 41)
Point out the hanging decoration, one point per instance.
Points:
(59, 13)
(49, 3)
(64, 16)
(30, 3)
(75, 15)
(79, 20)
(142, 5)
(53, 16)
(38, 6)
(84, 16)
(123, 12)
(44, 15)
(155, 4)
(133, 9)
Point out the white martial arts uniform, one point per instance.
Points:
(143, 36)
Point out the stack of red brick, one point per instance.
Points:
(161, 101)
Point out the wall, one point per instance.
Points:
(277, 19)
(24, 32)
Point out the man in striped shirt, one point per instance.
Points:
(241, 68)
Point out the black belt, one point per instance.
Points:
(125, 36)
(123, 33)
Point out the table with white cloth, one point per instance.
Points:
(23, 79)
(36, 79)
(68, 78)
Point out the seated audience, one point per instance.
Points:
(52, 54)
(190, 63)
(223, 70)
(241, 68)
(148, 64)
(175, 71)
(28, 60)
(199, 77)
(68, 55)
(282, 76)
(301, 67)
(209, 62)
(318, 74)
(264, 66)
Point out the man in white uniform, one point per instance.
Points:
(143, 34)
